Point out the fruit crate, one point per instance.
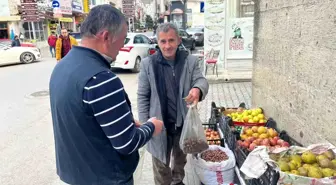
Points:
(230, 136)
(214, 127)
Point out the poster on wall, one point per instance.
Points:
(214, 30)
(65, 7)
(240, 38)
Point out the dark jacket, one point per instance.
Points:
(16, 43)
(84, 155)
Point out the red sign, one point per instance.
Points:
(30, 12)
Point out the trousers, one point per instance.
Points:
(163, 173)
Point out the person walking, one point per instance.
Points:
(52, 43)
(16, 41)
(165, 80)
(64, 43)
(96, 137)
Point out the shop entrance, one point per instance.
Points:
(4, 30)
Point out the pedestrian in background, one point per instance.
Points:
(96, 136)
(165, 80)
(52, 43)
(16, 42)
(64, 43)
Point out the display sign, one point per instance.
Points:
(240, 38)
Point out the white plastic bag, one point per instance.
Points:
(193, 139)
(215, 173)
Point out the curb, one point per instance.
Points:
(226, 80)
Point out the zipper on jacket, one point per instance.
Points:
(173, 70)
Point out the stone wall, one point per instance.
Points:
(294, 67)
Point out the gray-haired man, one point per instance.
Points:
(96, 137)
(165, 79)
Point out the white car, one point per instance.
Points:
(137, 47)
(12, 55)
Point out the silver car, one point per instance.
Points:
(198, 34)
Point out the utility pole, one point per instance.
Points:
(184, 17)
(155, 10)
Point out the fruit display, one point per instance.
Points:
(214, 155)
(249, 116)
(212, 136)
(307, 164)
(260, 136)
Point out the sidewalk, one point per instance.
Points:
(223, 94)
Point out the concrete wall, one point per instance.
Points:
(294, 66)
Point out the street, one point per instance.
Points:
(27, 146)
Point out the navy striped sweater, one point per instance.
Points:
(104, 95)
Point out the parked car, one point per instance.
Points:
(187, 40)
(198, 34)
(12, 55)
(137, 46)
(23, 44)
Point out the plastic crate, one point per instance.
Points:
(215, 128)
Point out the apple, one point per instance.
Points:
(285, 144)
(280, 141)
(250, 139)
(276, 138)
(265, 142)
(273, 141)
(252, 146)
(246, 144)
(240, 143)
(256, 142)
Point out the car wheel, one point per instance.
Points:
(193, 46)
(136, 68)
(27, 57)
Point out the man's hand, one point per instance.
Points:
(193, 96)
(158, 124)
(137, 123)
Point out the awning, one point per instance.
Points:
(65, 19)
(10, 18)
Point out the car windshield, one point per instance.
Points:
(127, 40)
(195, 30)
(76, 35)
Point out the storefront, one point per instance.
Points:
(9, 27)
(228, 38)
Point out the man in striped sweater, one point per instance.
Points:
(96, 137)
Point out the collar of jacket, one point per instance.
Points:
(103, 58)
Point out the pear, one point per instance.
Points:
(295, 172)
(306, 166)
(315, 173)
(334, 163)
(308, 157)
(327, 172)
(325, 163)
(284, 166)
(320, 157)
(292, 166)
(303, 171)
(330, 154)
(296, 158)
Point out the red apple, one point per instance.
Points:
(285, 144)
(265, 142)
(273, 141)
(246, 144)
(240, 143)
(250, 139)
(256, 142)
(280, 141)
(276, 138)
(252, 146)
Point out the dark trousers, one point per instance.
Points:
(165, 175)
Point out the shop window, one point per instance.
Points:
(245, 8)
(34, 31)
(4, 30)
